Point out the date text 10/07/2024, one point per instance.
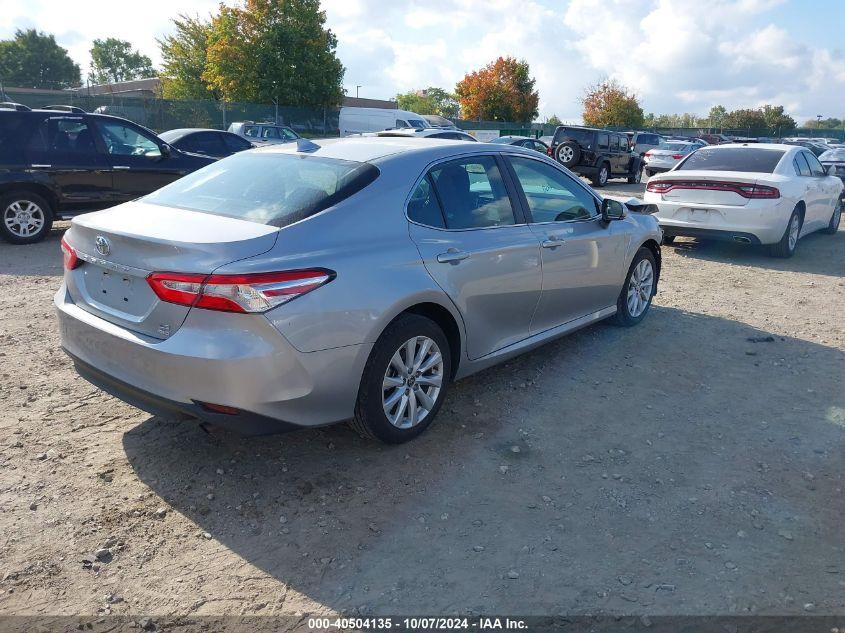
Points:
(419, 623)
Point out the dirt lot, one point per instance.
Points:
(691, 465)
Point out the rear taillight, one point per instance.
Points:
(550, 152)
(677, 156)
(648, 153)
(744, 189)
(257, 292)
(69, 257)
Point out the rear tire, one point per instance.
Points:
(396, 385)
(638, 290)
(637, 177)
(25, 217)
(601, 178)
(833, 227)
(789, 242)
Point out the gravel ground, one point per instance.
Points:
(691, 465)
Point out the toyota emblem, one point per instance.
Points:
(103, 246)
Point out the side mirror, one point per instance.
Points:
(166, 151)
(828, 169)
(612, 210)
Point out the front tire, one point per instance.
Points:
(789, 242)
(26, 217)
(833, 227)
(638, 290)
(637, 177)
(404, 381)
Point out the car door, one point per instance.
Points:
(234, 143)
(63, 149)
(582, 257)
(620, 153)
(136, 159)
(828, 190)
(813, 192)
(477, 247)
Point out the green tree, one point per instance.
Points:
(113, 60)
(183, 57)
(554, 120)
(33, 59)
(829, 123)
(610, 104)
(274, 50)
(716, 117)
(430, 101)
(746, 119)
(776, 120)
(503, 90)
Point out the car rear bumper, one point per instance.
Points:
(758, 222)
(232, 360)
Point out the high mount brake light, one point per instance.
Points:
(257, 292)
(744, 189)
(69, 258)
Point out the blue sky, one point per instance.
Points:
(677, 55)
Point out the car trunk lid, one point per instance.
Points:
(120, 247)
(705, 187)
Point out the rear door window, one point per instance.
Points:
(472, 193)
(816, 168)
(801, 164)
(251, 131)
(58, 140)
(604, 140)
(207, 143)
(235, 143)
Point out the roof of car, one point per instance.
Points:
(779, 146)
(370, 148)
(184, 131)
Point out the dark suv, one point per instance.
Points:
(56, 164)
(597, 154)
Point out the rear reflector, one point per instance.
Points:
(70, 260)
(256, 292)
(744, 189)
(219, 408)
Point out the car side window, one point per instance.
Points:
(472, 193)
(802, 164)
(123, 140)
(288, 134)
(235, 143)
(251, 131)
(64, 135)
(552, 195)
(816, 168)
(270, 132)
(400, 124)
(603, 141)
(423, 206)
(207, 143)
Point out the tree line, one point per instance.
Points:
(280, 51)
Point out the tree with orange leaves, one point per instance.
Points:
(501, 91)
(610, 104)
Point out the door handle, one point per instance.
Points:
(452, 256)
(121, 167)
(551, 241)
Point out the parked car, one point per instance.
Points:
(350, 280)
(353, 120)
(817, 148)
(833, 160)
(597, 154)
(437, 121)
(667, 155)
(54, 165)
(642, 142)
(213, 143)
(523, 141)
(768, 194)
(449, 135)
(715, 139)
(263, 133)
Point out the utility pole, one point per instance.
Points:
(356, 91)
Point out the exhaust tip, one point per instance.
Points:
(742, 239)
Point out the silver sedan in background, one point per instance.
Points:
(667, 155)
(304, 284)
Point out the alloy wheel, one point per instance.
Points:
(566, 154)
(640, 288)
(794, 231)
(412, 382)
(23, 218)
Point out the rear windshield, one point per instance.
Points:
(748, 159)
(837, 155)
(275, 189)
(674, 146)
(582, 136)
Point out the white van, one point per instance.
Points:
(360, 120)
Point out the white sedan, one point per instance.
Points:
(749, 193)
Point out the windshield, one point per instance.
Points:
(745, 159)
(276, 189)
(417, 123)
(833, 155)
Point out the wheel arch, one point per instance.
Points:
(654, 247)
(447, 322)
(33, 187)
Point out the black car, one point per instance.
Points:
(834, 161)
(56, 164)
(523, 141)
(597, 154)
(212, 143)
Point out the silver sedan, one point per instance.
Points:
(354, 279)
